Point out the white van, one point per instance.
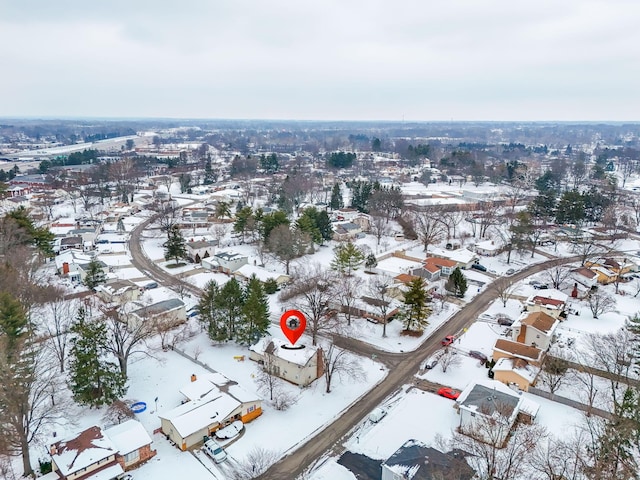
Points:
(378, 414)
(215, 451)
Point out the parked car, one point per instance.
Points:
(504, 320)
(151, 285)
(230, 430)
(432, 361)
(511, 271)
(448, 340)
(538, 285)
(449, 393)
(215, 451)
(378, 414)
(479, 355)
(480, 267)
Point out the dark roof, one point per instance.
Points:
(160, 307)
(488, 400)
(416, 461)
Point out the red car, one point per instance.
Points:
(449, 393)
(448, 340)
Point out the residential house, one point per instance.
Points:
(515, 371)
(71, 243)
(299, 365)
(585, 276)
(488, 401)
(225, 262)
(463, 257)
(552, 302)
(443, 265)
(346, 214)
(367, 308)
(535, 329)
(208, 409)
(245, 272)
(430, 272)
(86, 455)
(118, 291)
(343, 232)
(504, 348)
(199, 249)
(416, 461)
(68, 264)
(488, 248)
(170, 313)
(604, 275)
(363, 221)
(132, 442)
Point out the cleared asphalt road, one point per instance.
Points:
(402, 366)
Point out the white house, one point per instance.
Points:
(488, 248)
(226, 262)
(490, 409)
(299, 365)
(245, 272)
(204, 413)
(170, 312)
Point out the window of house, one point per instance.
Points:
(251, 408)
(132, 456)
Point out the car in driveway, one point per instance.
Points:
(478, 266)
(479, 355)
(504, 320)
(448, 340)
(448, 393)
(538, 285)
(215, 451)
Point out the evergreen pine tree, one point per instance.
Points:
(336, 198)
(347, 259)
(255, 314)
(415, 310)
(209, 176)
(93, 380)
(457, 283)
(175, 246)
(370, 262)
(95, 275)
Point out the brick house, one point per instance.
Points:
(132, 442)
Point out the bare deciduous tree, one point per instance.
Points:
(340, 364)
(61, 315)
(348, 292)
(124, 338)
(504, 288)
(380, 290)
(489, 455)
(379, 227)
(448, 358)
(311, 291)
(560, 458)
(257, 461)
(267, 378)
(600, 302)
(558, 275)
(554, 371)
(428, 227)
(28, 398)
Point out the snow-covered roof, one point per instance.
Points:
(261, 273)
(81, 451)
(242, 395)
(521, 367)
(194, 415)
(128, 436)
(462, 255)
(487, 397)
(114, 471)
(299, 355)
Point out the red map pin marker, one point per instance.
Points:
(293, 323)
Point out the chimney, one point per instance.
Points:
(65, 268)
(53, 450)
(193, 377)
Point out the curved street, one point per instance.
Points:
(402, 366)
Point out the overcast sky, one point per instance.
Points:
(323, 59)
